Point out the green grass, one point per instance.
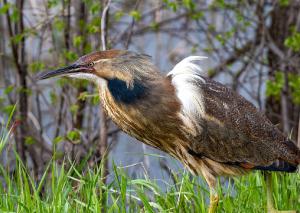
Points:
(67, 187)
(72, 190)
(69, 190)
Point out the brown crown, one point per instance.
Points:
(107, 54)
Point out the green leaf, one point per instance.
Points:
(229, 34)
(27, 91)
(273, 88)
(58, 155)
(9, 89)
(36, 66)
(96, 21)
(239, 16)
(173, 5)
(4, 9)
(52, 3)
(58, 139)
(53, 97)
(194, 48)
(284, 3)
(189, 4)
(221, 39)
(29, 140)
(294, 82)
(220, 3)
(95, 8)
(70, 55)
(293, 41)
(82, 96)
(96, 100)
(74, 109)
(136, 15)
(73, 136)
(58, 24)
(77, 41)
(197, 15)
(2, 99)
(93, 29)
(15, 15)
(118, 15)
(88, 48)
(154, 26)
(62, 81)
(17, 38)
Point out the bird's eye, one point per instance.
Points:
(91, 64)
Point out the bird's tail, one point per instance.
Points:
(278, 166)
(289, 160)
(291, 152)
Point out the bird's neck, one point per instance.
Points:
(145, 109)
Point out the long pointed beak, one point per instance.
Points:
(60, 72)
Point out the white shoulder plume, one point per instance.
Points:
(186, 66)
(186, 76)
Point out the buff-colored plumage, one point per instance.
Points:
(211, 129)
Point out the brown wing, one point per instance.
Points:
(234, 131)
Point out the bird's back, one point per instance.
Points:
(227, 128)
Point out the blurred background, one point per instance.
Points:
(252, 47)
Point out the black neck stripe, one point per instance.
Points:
(121, 93)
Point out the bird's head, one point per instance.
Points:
(107, 65)
(127, 75)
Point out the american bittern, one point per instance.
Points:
(211, 129)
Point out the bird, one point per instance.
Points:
(207, 126)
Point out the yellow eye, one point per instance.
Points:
(91, 64)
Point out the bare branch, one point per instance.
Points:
(103, 120)
(103, 25)
(234, 57)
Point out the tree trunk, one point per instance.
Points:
(81, 18)
(283, 112)
(18, 50)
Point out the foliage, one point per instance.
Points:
(293, 41)
(294, 82)
(274, 87)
